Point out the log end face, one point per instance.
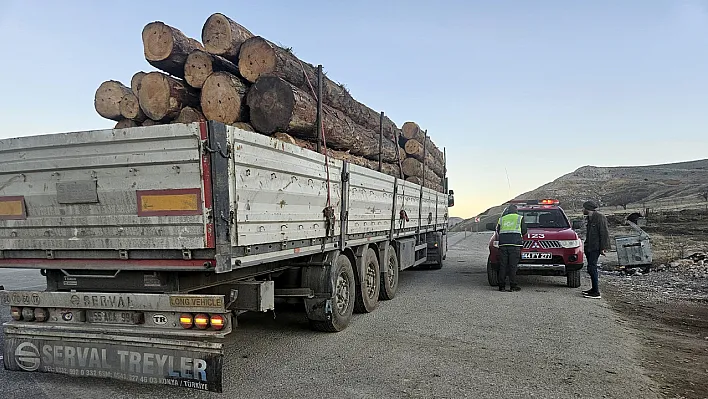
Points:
(411, 130)
(257, 58)
(222, 97)
(158, 41)
(136, 80)
(216, 35)
(125, 123)
(271, 102)
(154, 96)
(130, 107)
(197, 68)
(107, 99)
(189, 115)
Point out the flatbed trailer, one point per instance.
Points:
(153, 240)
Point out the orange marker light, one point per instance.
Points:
(217, 321)
(185, 319)
(201, 321)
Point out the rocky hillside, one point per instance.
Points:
(626, 186)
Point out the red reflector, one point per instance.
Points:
(217, 321)
(201, 321)
(16, 313)
(186, 320)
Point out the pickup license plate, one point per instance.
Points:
(113, 317)
(536, 255)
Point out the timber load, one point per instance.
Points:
(244, 80)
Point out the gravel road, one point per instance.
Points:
(446, 335)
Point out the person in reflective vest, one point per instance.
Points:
(511, 229)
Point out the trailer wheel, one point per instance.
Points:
(492, 274)
(574, 278)
(342, 301)
(367, 293)
(389, 281)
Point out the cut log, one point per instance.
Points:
(150, 122)
(125, 123)
(167, 48)
(388, 168)
(244, 126)
(136, 81)
(415, 149)
(223, 36)
(107, 99)
(429, 184)
(260, 57)
(162, 97)
(201, 64)
(276, 105)
(413, 167)
(189, 115)
(411, 130)
(130, 108)
(223, 98)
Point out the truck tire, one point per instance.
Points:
(343, 297)
(492, 274)
(367, 293)
(574, 278)
(437, 261)
(389, 280)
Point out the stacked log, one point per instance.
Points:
(248, 82)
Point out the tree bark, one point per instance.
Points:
(130, 108)
(411, 130)
(136, 81)
(223, 98)
(162, 97)
(223, 36)
(167, 48)
(387, 168)
(429, 184)
(276, 105)
(107, 99)
(414, 168)
(414, 149)
(125, 123)
(260, 57)
(189, 115)
(201, 64)
(150, 122)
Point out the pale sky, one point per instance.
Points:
(536, 88)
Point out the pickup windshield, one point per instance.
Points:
(545, 219)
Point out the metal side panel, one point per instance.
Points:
(429, 203)
(408, 198)
(280, 190)
(370, 201)
(79, 190)
(442, 209)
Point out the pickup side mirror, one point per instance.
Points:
(577, 224)
(491, 226)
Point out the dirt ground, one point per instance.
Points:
(668, 308)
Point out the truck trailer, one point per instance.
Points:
(154, 239)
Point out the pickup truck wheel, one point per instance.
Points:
(342, 299)
(492, 274)
(574, 279)
(367, 293)
(389, 281)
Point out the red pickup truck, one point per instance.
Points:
(551, 246)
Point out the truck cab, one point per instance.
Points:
(551, 247)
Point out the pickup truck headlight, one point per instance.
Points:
(496, 244)
(570, 243)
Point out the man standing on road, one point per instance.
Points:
(511, 229)
(597, 242)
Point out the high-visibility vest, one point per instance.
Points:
(510, 223)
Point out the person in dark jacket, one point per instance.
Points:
(597, 242)
(511, 229)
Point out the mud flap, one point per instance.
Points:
(146, 360)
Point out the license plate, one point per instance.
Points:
(113, 317)
(536, 255)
